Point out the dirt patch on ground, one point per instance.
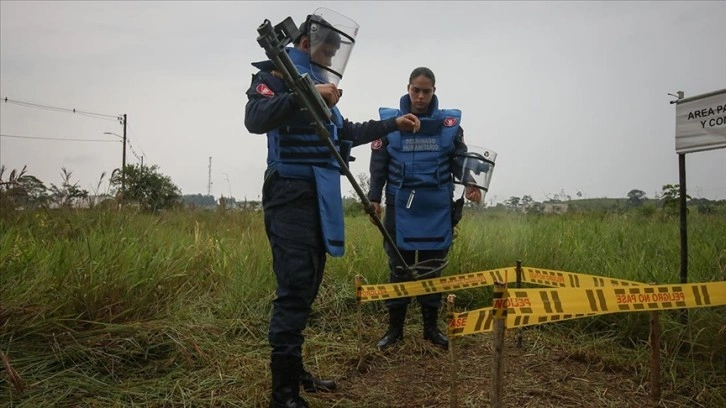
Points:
(541, 373)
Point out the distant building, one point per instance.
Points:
(555, 208)
(82, 202)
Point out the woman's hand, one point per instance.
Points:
(473, 194)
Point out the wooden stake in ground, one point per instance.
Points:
(358, 287)
(500, 318)
(453, 400)
(655, 356)
(520, 334)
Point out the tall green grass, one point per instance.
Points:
(104, 308)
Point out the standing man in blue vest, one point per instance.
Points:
(301, 193)
(418, 171)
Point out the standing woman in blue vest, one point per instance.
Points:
(301, 192)
(417, 170)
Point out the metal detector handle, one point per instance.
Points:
(273, 41)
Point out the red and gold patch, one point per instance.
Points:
(263, 90)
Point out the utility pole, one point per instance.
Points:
(683, 216)
(123, 166)
(229, 186)
(209, 179)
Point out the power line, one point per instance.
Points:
(128, 141)
(59, 138)
(143, 154)
(74, 111)
(58, 109)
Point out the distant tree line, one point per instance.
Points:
(667, 200)
(150, 190)
(144, 187)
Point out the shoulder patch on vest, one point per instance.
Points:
(376, 144)
(263, 90)
(449, 122)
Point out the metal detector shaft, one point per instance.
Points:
(273, 41)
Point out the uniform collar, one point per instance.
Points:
(298, 57)
(405, 106)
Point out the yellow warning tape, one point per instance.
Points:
(370, 293)
(500, 306)
(539, 276)
(525, 307)
(611, 300)
(481, 320)
(547, 277)
(575, 295)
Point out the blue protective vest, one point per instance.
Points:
(296, 151)
(419, 177)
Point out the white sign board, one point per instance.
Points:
(701, 122)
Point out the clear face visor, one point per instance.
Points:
(332, 37)
(475, 168)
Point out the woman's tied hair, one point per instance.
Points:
(417, 72)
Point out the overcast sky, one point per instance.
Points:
(571, 95)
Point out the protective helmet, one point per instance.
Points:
(475, 167)
(332, 37)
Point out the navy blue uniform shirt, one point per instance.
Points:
(271, 105)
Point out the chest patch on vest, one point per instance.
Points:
(420, 144)
(263, 90)
(376, 144)
(449, 122)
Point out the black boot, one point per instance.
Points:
(286, 382)
(312, 384)
(431, 330)
(394, 334)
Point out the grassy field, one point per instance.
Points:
(104, 308)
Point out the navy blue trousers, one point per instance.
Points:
(432, 300)
(292, 222)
